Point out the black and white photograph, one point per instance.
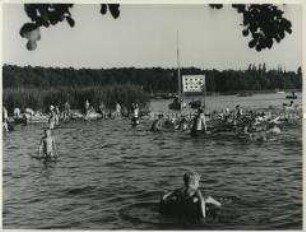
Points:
(152, 116)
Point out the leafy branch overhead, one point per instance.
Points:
(264, 23)
(51, 14)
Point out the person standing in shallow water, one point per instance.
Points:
(118, 110)
(67, 111)
(87, 105)
(52, 117)
(157, 124)
(47, 147)
(5, 119)
(199, 124)
(57, 115)
(135, 116)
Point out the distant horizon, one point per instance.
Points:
(150, 67)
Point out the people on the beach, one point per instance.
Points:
(187, 202)
(47, 147)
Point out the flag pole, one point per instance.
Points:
(178, 70)
(204, 93)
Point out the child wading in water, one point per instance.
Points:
(187, 203)
(47, 147)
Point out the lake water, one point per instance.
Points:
(110, 176)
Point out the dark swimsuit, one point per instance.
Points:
(183, 206)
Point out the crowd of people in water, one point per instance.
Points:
(47, 147)
(249, 124)
(253, 125)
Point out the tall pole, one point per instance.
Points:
(204, 92)
(178, 70)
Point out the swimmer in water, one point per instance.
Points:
(67, 112)
(47, 147)
(135, 116)
(188, 200)
(52, 120)
(183, 124)
(199, 124)
(274, 130)
(157, 124)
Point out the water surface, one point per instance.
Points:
(110, 176)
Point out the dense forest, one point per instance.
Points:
(152, 80)
(38, 87)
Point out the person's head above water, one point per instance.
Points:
(200, 111)
(47, 132)
(192, 179)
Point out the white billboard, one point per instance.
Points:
(193, 83)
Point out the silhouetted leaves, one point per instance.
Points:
(103, 9)
(46, 14)
(240, 7)
(70, 21)
(51, 14)
(43, 15)
(27, 27)
(113, 9)
(265, 23)
(216, 6)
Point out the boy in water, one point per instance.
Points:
(47, 146)
(199, 124)
(157, 124)
(135, 116)
(187, 202)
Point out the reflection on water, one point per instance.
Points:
(110, 176)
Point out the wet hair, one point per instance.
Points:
(190, 178)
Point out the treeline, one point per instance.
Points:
(151, 80)
(38, 87)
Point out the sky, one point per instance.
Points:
(145, 36)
